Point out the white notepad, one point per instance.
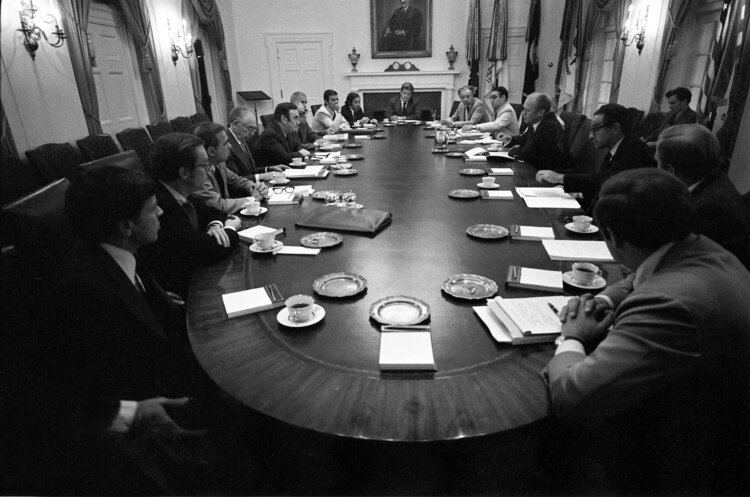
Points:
(572, 250)
(290, 250)
(501, 171)
(500, 194)
(406, 350)
(533, 233)
(249, 234)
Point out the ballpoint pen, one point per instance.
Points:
(554, 309)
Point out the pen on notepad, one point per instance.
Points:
(554, 309)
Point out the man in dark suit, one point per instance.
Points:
(680, 112)
(279, 143)
(192, 235)
(241, 130)
(691, 152)
(307, 137)
(610, 130)
(538, 144)
(403, 28)
(118, 337)
(404, 105)
(653, 375)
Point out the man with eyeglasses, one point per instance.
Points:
(192, 235)
(610, 130)
(240, 131)
(503, 115)
(279, 144)
(307, 137)
(538, 143)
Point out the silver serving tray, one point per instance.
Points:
(321, 239)
(463, 193)
(339, 284)
(345, 172)
(321, 194)
(399, 310)
(472, 171)
(469, 286)
(487, 231)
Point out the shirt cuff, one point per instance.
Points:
(606, 300)
(570, 346)
(125, 417)
(215, 223)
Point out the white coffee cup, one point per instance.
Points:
(488, 181)
(297, 161)
(252, 207)
(265, 241)
(585, 273)
(582, 223)
(300, 308)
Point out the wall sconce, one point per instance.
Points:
(640, 30)
(32, 33)
(181, 41)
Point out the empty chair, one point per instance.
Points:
(137, 139)
(97, 146)
(54, 160)
(199, 117)
(266, 120)
(159, 129)
(128, 159)
(182, 124)
(38, 229)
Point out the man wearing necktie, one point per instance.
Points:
(470, 111)
(404, 105)
(610, 131)
(504, 116)
(241, 130)
(403, 29)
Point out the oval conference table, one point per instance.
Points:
(325, 378)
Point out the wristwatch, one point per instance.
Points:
(562, 338)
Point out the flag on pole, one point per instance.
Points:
(532, 38)
(497, 50)
(472, 43)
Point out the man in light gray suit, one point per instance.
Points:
(471, 110)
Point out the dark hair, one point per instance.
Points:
(681, 93)
(615, 113)
(209, 133)
(503, 91)
(646, 207)
(171, 152)
(98, 200)
(328, 94)
(350, 98)
(282, 110)
(407, 86)
(691, 149)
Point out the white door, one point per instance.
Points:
(119, 90)
(299, 62)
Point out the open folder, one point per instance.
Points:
(522, 321)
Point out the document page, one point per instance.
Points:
(572, 250)
(534, 315)
(541, 277)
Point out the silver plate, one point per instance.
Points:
(321, 194)
(355, 156)
(469, 286)
(463, 193)
(399, 309)
(487, 231)
(472, 171)
(339, 284)
(321, 239)
(345, 172)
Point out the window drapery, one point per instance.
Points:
(139, 25)
(472, 43)
(208, 14)
(572, 47)
(497, 50)
(676, 12)
(75, 17)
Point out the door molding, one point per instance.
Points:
(325, 39)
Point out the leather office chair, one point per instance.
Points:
(137, 139)
(39, 230)
(426, 115)
(518, 108)
(650, 125)
(128, 159)
(182, 124)
(54, 160)
(97, 146)
(314, 108)
(266, 120)
(17, 179)
(635, 116)
(454, 106)
(200, 117)
(378, 115)
(159, 128)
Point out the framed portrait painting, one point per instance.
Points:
(401, 28)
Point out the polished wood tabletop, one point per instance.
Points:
(326, 377)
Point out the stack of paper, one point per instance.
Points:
(496, 194)
(339, 136)
(406, 350)
(253, 300)
(531, 232)
(499, 171)
(285, 198)
(289, 250)
(476, 154)
(534, 279)
(307, 172)
(248, 234)
(572, 250)
(522, 321)
(304, 190)
(547, 198)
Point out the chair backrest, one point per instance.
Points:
(17, 179)
(426, 115)
(128, 159)
(137, 139)
(97, 146)
(454, 106)
(159, 128)
(650, 125)
(182, 124)
(518, 108)
(314, 108)
(54, 160)
(378, 115)
(200, 117)
(39, 229)
(573, 124)
(266, 120)
(635, 116)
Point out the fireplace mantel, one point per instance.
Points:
(442, 81)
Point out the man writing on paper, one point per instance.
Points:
(662, 398)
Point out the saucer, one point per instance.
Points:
(276, 246)
(572, 227)
(481, 185)
(318, 313)
(597, 284)
(262, 210)
(279, 181)
(301, 164)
